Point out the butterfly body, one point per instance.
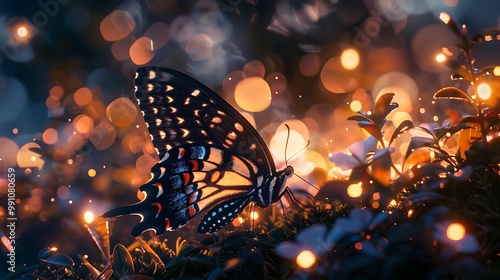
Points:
(211, 158)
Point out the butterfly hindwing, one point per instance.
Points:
(223, 214)
(187, 181)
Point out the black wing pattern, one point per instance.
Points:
(180, 110)
(210, 156)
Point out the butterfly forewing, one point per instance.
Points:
(180, 110)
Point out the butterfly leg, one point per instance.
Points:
(294, 200)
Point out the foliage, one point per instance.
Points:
(402, 222)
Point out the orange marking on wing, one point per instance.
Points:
(193, 197)
(167, 223)
(195, 165)
(187, 178)
(157, 204)
(181, 153)
(192, 210)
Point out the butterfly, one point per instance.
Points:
(211, 157)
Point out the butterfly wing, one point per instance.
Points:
(189, 180)
(210, 156)
(179, 110)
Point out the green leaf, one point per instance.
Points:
(202, 259)
(419, 142)
(383, 107)
(403, 127)
(149, 251)
(359, 118)
(175, 261)
(60, 259)
(232, 263)
(442, 131)
(215, 273)
(453, 93)
(381, 166)
(373, 129)
(123, 263)
(44, 253)
(20, 270)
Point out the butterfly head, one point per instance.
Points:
(288, 171)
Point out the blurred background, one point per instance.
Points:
(69, 123)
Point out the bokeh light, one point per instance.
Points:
(310, 64)
(88, 216)
(254, 68)
(8, 153)
(296, 142)
(200, 47)
(117, 25)
(455, 231)
(22, 31)
(28, 158)
(253, 94)
(424, 47)
(336, 79)
(306, 259)
(355, 190)
(484, 91)
(254, 215)
(83, 96)
(121, 112)
(159, 33)
(50, 136)
(91, 172)
(349, 59)
(405, 89)
(356, 106)
(142, 51)
(83, 124)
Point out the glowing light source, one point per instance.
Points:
(91, 172)
(22, 31)
(440, 57)
(496, 71)
(355, 190)
(306, 259)
(356, 106)
(444, 17)
(455, 231)
(253, 94)
(238, 222)
(349, 59)
(254, 215)
(88, 217)
(484, 91)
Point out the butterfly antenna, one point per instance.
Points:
(309, 183)
(298, 152)
(286, 143)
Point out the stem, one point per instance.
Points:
(470, 65)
